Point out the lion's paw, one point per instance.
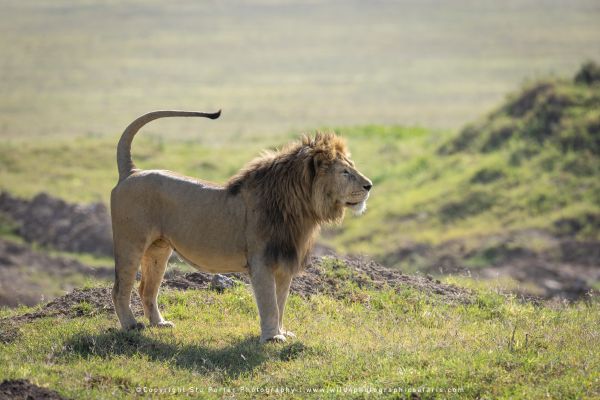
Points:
(289, 334)
(276, 339)
(165, 324)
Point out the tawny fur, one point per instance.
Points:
(262, 221)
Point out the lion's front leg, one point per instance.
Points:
(263, 283)
(283, 279)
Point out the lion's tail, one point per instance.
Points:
(124, 162)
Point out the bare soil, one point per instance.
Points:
(52, 222)
(22, 389)
(562, 267)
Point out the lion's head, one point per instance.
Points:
(298, 188)
(314, 176)
(337, 183)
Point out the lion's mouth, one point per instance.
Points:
(350, 204)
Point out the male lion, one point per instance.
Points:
(262, 221)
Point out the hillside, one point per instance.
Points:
(533, 163)
(517, 190)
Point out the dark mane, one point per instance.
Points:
(291, 210)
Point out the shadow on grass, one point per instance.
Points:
(241, 356)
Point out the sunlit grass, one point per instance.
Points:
(496, 347)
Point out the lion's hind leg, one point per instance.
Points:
(154, 264)
(127, 262)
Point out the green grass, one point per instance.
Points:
(493, 348)
(504, 173)
(84, 169)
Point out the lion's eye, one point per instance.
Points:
(346, 172)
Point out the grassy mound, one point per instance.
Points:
(560, 113)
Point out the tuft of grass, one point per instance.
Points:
(84, 309)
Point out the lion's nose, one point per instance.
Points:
(368, 187)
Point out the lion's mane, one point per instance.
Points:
(291, 191)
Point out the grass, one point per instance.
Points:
(496, 347)
(89, 178)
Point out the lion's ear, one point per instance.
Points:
(311, 168)
(317, 163)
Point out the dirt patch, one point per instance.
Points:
(8, 332)
(53, 222)
(25, 274)
(81, 303)
(18, 389)
(551, 280)
(560, 267)
(328, 275)
(368, 273)
(175, 279)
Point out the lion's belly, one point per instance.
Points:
(207, 229)
(210, 262)
(211, 250)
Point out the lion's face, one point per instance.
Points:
(343, 186)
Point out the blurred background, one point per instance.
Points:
(478, 121)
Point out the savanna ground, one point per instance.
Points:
(515, 190)
(362, 343)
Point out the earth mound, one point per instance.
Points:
(332, 275)
(22, 389)
(53, 222)
(325, 275)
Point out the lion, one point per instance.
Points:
(263, 221)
